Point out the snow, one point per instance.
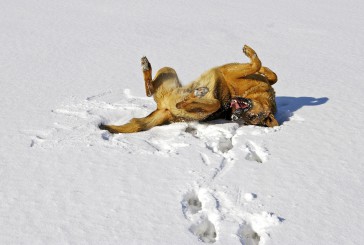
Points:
(67, 66)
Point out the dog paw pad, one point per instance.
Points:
(145, 64)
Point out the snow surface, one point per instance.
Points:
(66, 66)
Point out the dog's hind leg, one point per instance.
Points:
(237, 70)
(156, 118)
(269, 74)
(166, 77)
(147, 73)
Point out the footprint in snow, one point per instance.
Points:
(256, 153)
(205, 231)
(191, 204)
(248, 236)
(203, 228)
(215, 139)
(255, 229)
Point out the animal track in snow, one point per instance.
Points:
(198, 213)
(224, 144)
(255, 229)
(212, 214)
(191, 204)
(248, 236)
(205, 231)
(217, 138)
(256, 153)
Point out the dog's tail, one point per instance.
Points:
(156, 118)
(269, 74)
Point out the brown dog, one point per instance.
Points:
(232, 91)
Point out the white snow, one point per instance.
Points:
(250, 196)
(66, 66)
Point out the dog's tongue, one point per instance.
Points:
(236, 105)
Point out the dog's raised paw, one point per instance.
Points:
(248, 51)
(201, 91)
(145, 64)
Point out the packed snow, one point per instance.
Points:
(67, 66)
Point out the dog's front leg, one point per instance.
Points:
(147, 73)
(197, 93)
(197, 106)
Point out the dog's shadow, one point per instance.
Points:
(288, 105)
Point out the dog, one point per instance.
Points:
(234, 91)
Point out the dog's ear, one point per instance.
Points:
(270, 121)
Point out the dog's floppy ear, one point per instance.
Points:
(270, 121)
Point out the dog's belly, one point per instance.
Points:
(208, 80)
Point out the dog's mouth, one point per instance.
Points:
(240, 103)
(239, 106)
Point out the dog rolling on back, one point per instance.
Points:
(240, 92)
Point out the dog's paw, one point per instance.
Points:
(145, 64)
(102, 126)
(108, 128)
(201, 91)
(248, 51)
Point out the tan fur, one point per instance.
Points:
(176, 103)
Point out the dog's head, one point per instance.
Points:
(253, 111)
